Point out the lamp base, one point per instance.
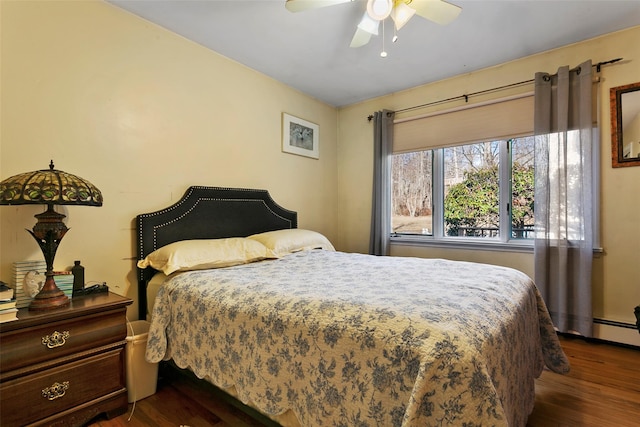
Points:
(48, 232)
(50, 296)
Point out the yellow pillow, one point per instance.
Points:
(206, 253)
(283, 242)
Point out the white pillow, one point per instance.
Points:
(283, 242)
(206, 253)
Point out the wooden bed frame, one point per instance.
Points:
(207, 213)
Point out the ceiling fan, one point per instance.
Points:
(400, 11)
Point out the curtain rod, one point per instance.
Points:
(481, 92)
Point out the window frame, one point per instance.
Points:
(504, 242)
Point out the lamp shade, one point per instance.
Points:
(49, 187)
(369, 25)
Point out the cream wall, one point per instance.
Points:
(141, 113)
(616, 282)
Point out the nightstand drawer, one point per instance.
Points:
(49, 341)
(45, 393)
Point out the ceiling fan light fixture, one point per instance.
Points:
(379, 9)
(401, 14)
(360, 38)
(369, 25)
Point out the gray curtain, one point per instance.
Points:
(381, 203)
(565, 136)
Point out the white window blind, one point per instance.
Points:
(489, 121)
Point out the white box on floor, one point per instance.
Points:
(142, 376)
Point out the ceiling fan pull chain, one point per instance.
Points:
(384, 52)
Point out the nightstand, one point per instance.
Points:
(65, 366)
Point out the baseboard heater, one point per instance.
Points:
(614, 332)
(614, 323)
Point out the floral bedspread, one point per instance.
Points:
(357, 340)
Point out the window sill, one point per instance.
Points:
(458, 243)
(525, 246)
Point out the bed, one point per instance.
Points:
(311, 336)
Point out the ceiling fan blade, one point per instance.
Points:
(438, 11)
(360, 38)
(302, 5)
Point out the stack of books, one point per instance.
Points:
(64, 280)
(8, 310)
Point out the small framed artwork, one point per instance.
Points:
(300, 136)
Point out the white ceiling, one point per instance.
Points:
(310, 50)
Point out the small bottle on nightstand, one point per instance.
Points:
(78, 277)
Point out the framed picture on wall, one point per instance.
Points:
(300, 136)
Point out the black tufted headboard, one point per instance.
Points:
(207, 213)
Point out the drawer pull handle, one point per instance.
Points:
(56, 339)
(56, 390)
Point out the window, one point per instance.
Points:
(449, 189)
(480, 192)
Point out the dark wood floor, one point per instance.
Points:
(602, 390)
